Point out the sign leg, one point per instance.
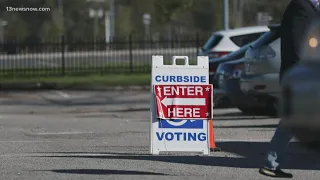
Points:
(155, 152)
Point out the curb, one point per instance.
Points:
(38, 86)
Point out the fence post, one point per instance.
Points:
(197, 43)
(172, 42)
(63, 44)
(151, 41)
(130, 53)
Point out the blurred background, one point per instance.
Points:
(124, 33)
(168, 19)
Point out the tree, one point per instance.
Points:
(166, 13)
(166, 10)
(124, 26)
(207, 15)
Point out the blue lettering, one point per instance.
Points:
(185, 79)
(169, 136)
(165, 78)
(181, 136)
(160, 137)
(201, 79)
(196, 79)
(158, 78)
(192, 136)
(202, 137)
(178, 135)
(172, 79)
(179, 78)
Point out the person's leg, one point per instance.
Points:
(277, 146)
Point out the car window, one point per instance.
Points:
(239, 53)
(267, 38)
(245, 39)
(212, 41)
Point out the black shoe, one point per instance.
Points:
(274, 173)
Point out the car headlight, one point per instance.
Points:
(313, 42)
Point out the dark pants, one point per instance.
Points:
(277, 147)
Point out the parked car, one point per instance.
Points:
(260, 80)
(300, 92)
(220, 97)
(224, 42)
(227, 76)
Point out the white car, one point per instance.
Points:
(222, 43)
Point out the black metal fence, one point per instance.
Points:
(62, 57)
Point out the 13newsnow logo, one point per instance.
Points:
(182, 124)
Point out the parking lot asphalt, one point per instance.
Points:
(105, 135)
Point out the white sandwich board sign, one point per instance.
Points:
(181, 105)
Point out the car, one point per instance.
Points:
(260, 79)
(224, 42)
(220, 97)
(227, 76)
(300, 92)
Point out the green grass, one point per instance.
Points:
(108, 80)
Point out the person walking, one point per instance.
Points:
(295, 20)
